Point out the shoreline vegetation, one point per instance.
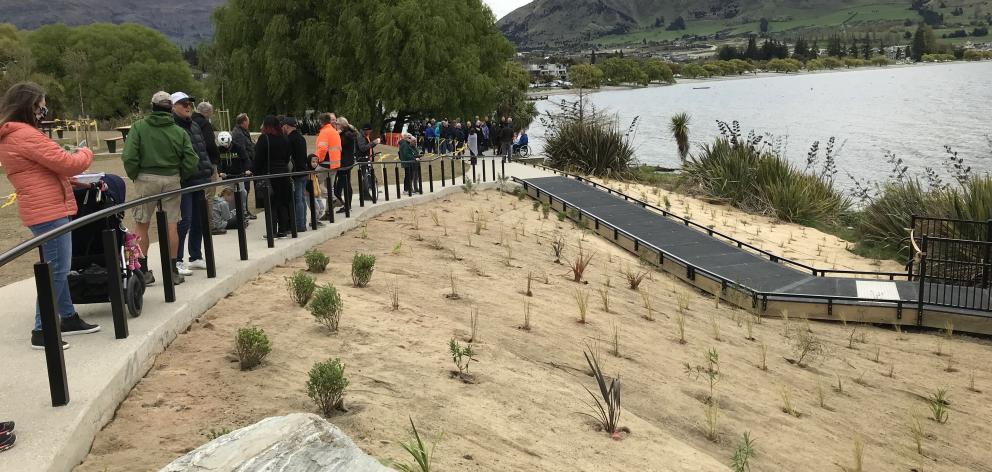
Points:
(551, 92)
(746, 171)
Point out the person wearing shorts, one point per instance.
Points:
(158, 154)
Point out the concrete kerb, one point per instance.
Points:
(58, 439)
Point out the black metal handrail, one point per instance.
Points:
(714, 233)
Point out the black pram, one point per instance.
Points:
(89, 276)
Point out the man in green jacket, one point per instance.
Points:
(408, 156)
(158, 154)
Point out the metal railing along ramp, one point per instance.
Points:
(757, 279)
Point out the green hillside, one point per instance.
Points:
(563, 23)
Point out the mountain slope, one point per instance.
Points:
(183, 21)
(558, 22)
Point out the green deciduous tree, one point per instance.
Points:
(365, 59)
(623, 71)
(586, 76)
(657, 71)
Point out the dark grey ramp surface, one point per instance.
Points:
(717, 256)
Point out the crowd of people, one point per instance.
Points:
(474, 136)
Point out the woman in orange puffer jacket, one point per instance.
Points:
(40, 172)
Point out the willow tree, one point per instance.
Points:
(365, 59)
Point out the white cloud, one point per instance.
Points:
(502, 7)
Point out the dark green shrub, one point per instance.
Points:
(301, 287)
(326, 385)
(316, 261)
(362, 266)
(326, 307)
(252, 346)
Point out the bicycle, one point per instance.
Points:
(368, 183)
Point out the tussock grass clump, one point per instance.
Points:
(592, 144)
(326, 307)
(938, 403)
(301, 287)
(394, 295)
(252, 345)
(604, 297)
(634, 277)
(606, 406)
(682, 298)
(326, 386)
(362, 266)
(316, 261)
(648, 306)
(582, 302)
(580, 264)
(917, 431)
(680, 326)
(422, 454)
(787, 407)
(526, 325)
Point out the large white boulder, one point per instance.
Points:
(300, 442)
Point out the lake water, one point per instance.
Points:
(910, 111)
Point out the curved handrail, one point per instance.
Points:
(24, 247)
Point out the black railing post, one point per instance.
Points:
(361, 186)
(397, 175)
(987, 254)
(420, 178)
(474, 176)
(115, 286)
(329, 183)
(168, 285)
(463, 171)
(484, 169)
(452, 173)
(344, 193)
(494, 170)
(292, 207)
(208, 238)
(502, 168)
(922, 278)
(443, 178)
(52, 334)
(385, 183)
(269, 224)
(313, 207)
(430, 175)
(239, 213)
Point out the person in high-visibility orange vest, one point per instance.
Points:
(328, 142)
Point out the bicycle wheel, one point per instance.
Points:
(372, 184)
(524, 151)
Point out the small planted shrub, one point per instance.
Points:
(545, 210)
(316, 261)
(462, 356)
(606, 406)
(301, 287)
(422, 453)
(711, 371)
(252, 345)
(741, 461)
(326, 307)
(558, 246)
(938, 405)
(807, 348)
(634, 277)
(362, 266)
(326, 385)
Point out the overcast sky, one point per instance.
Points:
(502, 7)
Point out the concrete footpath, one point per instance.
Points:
(102, 370)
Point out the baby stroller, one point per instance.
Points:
(88, 276)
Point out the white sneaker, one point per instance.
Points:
(198, 264)
(182, 269)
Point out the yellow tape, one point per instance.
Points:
(10, 199)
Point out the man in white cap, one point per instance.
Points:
(157, 156)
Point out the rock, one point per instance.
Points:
(300, 442)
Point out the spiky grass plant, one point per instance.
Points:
(605, 406)
(615, 341)
(917, 431)
(820, 394)
(362, 266)
(634, 277)
(473, 319)
(839, 387)
(858, 455)
(787, 407)
(526, 325)
(604, 297)
(747, 324)
(582, 302)
(394, 295)
(530, 278)
(580, 264)
(326, 385)
(316, 261)
(682, 297)
(764, 357)
(301, 287)
(680, 326)
(971, 383)
(422, 454)
(937, 401)
(558, 246)
(949, 329)
(715, 326)
(741, 460)
(435, 218)
(453, 295)
(326, 307)
(252, 345)
(648, 306)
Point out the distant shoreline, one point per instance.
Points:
(759, 75)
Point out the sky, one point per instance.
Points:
(502, 7)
